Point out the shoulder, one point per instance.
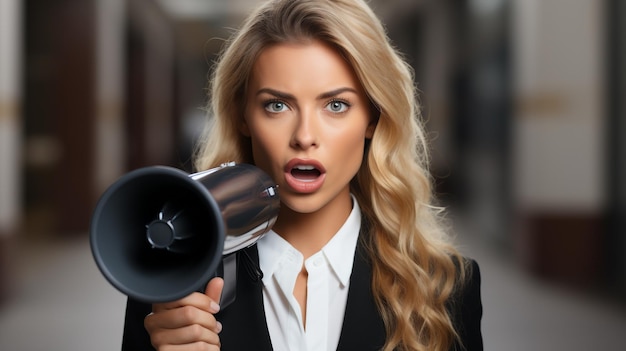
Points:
(471, 280)
(465, 306)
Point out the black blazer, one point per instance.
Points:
(245, 328)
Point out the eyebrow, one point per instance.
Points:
(287, 96)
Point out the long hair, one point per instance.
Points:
(415, 269)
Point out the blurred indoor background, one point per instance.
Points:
(525, 102)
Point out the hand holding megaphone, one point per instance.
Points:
(158, 233)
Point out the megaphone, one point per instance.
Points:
(158, 233)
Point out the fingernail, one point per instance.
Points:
(219, 327)
(215, 307)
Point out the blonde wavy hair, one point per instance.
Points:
(415, 269)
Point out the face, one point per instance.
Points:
(308, 118)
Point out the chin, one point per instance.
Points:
(302, 204)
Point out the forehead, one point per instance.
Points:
(297, 65)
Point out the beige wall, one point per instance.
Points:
(10, 67)
(110, 141)
(559, 117)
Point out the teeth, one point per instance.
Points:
(304, 168)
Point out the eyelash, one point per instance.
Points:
(346, 103)
(268, 103)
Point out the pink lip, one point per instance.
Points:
(304, 186)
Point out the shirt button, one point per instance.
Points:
(317, 262)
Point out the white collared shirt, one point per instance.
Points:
(327, 288)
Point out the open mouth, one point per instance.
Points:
(304, 176)
(305, 173)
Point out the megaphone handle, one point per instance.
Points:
(229, 292)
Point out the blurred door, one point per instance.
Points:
(616, 77)
(58, 115)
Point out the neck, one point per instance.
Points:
(310, 232)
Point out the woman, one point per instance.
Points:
(313, 93)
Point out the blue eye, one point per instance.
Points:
(337, 106)
(275, 106)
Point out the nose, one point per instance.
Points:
(305, 133)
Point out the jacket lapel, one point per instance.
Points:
(245, 326)
(363, 328)
(243, 321)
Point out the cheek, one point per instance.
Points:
(260, 149)
(349, 148)
(352, 139)
(265, 148)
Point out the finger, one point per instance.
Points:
(214, 289)
(184, 336)
(181, 317)
(194, 346)
(196, 299)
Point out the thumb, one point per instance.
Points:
(214, 289)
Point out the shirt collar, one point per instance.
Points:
(339, 251)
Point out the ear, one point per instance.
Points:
(375, 116)
(369, 132)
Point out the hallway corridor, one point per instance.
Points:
(62, 303)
